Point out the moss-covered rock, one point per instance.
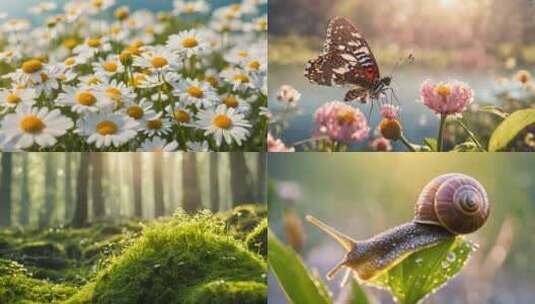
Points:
(257, 240)
(177, 261)
(243, 219)
(221, 292)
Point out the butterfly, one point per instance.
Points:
(348, 60)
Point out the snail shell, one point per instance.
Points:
(457, 202)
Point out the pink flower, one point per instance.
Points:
(446, 98)
(276, 145)
(288, 95)
(381, 144)
(389, 111)
(341, 122)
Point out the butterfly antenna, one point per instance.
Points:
(401, 62)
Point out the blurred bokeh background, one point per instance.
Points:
(362, 194)
(473, 41)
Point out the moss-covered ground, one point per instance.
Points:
(203, 258)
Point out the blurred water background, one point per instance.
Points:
(362, 194)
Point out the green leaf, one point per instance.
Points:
(510, 127)
(494, 110)
(431, 143)
(293, 277)
(467, 146)
(425, 271)
(358, 296)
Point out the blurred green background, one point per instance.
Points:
(364, 194)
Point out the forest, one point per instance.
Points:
(72, 225)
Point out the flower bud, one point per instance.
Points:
(390, 129)
(126, 58)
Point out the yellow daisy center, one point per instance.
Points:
(135, 112)
(212, 80)
(44, 77)
(195, 91)
(121, 13)
(222, 121)
(32, 124)
(70, 61)
(190, 42)
(181, 116)
(158, 62)
(254, 65)
(93, 81)
(70, 43)
(154, 124)
(31, 66)
(241, 78)
(443, 90)
(98, 3)
(94, 42)
(13, 99)
(113, 92)
(86, 98)
(243, 54)
(231, 101)
(106, 127)
(110, 67)
(139, 79)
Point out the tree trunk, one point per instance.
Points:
(171, 176)
(24, 213)
(80, 212)
(261, 181)
(191, 196)
(240, 180)
(67, 188)
(159, 206)
(5, 189)
(47, 211)
(99, 209)
(214, 182)
(136, 181)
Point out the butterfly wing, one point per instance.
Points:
(337, 69)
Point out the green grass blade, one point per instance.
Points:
(358, 296)
(293, 276)
(425, 271)
(510, 127)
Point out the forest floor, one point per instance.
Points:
(205, 258)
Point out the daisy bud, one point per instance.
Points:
(126, 58)
(390, 129)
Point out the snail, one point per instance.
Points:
(449, 205)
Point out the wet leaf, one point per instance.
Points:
(425, 271)
(494, 110)
(510, 127)
(294, 278)
(358, 296)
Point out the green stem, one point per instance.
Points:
(440, 137)
(407, 143)
(470, 134)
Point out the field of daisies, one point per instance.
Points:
(99, 76)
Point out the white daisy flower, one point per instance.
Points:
(194, 146)
(93, 46)
(29, 72)
(117, 93)
(224, 124)
(17, 96)
(233, 101)
(190, 7)
(195, 92)
(157, 60)
(49, 80)
(92, 80)
(188, 42)
(181, 115)
(109, 67)
(156, 126)
(83, 99)
(157, 144)
(9, 56)
(42, 7)
(140, 112)
(29, 126)
(105, 129)
(239, 78)
(94, 7)
(259, 24)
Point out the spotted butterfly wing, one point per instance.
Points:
(346, 60)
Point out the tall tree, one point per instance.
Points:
(5, 189)
(47, 211)
(24, 212)
(99, 208)
(159, 206)
(171, 176)
(261, 181)
(214, 182)
(136, 181)
(241, 181)
(80, 211)
(67, 186)
(191, 195)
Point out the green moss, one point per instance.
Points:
(16, 286)
(172, 260)
(257, 240)
(221, 292)
(243, 219)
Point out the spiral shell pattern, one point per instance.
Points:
(455, 201)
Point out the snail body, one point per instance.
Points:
(449, 205)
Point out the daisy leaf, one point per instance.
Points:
(510, 128)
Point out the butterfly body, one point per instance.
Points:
(348, 60)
